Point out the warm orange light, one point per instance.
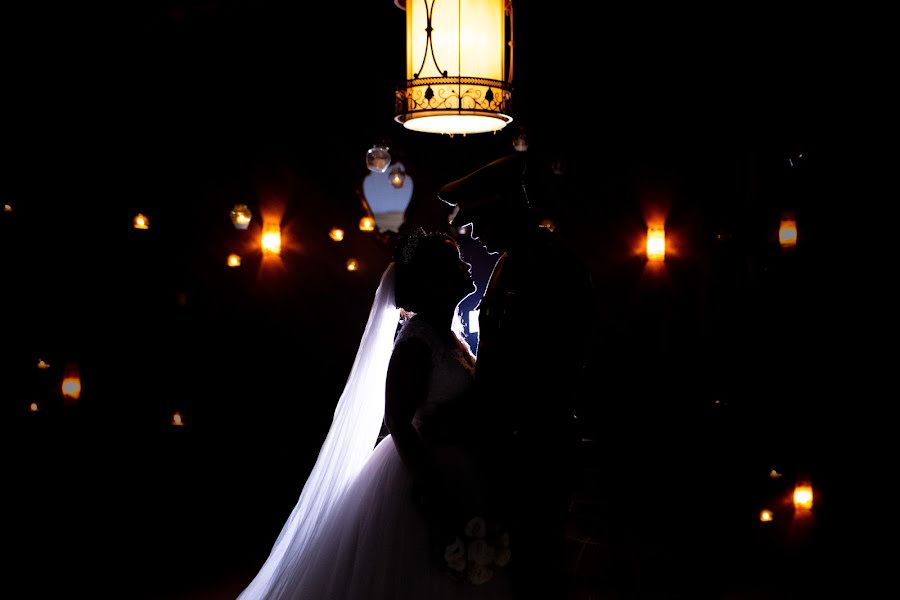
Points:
(353, 265)
(548, 224)
(41, 364)
(7, 208)
(240, 216)
(177, 420)
(774, 474)
(765, 516)
(34, 407)
(337, 234)
(234, 260)
(141, 222)
(367, 224)
(271, 239)
(656, 244)
(71, 383)
(787, 232)
(803, 496)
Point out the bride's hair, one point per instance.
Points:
(414, 261)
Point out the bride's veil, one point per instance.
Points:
(353, 433)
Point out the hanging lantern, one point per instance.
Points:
(240, 216)
(336, 234)
(7, 208)
(787, 232)
(656, 244)
(765, 516)
(71, 384)
(387, 201)
(271, 238)
(367, 224)
(42, 364)
(774, 474)
(456, 67)
(548, 224)
(397, 176)
(378, 159)
(234, 260)
(352, 264)
(141, 222)
(34, 407)
(803, 496)
(177, 421)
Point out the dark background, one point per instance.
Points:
(704, 374)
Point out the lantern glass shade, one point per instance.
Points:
(141, 222)
(240, 216)
(177, 421)
(234, 260)
(34, 407)
(367, 224)
(336, 234)
(656, 244)
(7, 208)
(455, 67)
(378, 159)
(271, 238)
(787, 232)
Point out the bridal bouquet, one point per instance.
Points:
(477, 552)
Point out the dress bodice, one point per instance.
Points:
(452, 374)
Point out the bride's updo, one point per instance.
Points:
(416, 257)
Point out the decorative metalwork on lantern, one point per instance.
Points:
(240, 216)
(378, 159)
(456, 66)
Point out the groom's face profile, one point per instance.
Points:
(486, 228)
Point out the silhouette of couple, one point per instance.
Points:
(467, 496)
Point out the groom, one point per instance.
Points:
(534, 321)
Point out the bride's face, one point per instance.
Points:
(454, 272)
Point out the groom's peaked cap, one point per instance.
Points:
(500, 179)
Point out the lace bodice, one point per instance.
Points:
(452, 373)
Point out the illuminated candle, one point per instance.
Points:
(787, 232)
(234, 260)
(337, 234)
(352, 264)
(177, 420)
(141, 222)
(240, 216)
(803, 496)
(765, 516)
(71, 383)
(41, 364)
(367, 224)
(656, 244)
(271, 239)
(34, 407)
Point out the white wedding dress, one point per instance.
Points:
(374, 544)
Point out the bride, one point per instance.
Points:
(408, 519)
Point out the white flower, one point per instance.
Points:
(503, 556)
(456, 550)
(481, 552)
(475, 528)
(479, 574)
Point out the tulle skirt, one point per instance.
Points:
(375, 546)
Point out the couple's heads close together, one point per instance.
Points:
(431, 275)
